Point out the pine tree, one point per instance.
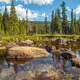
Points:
(64, 19)
(5, 22)
(52, 22)
(27, 24)
(55, 23)
(72, 21)
(0, 23)
(46, 25)
(13, 21)
(75, 25)
(79, 25)
(58, 21)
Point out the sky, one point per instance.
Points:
(38, 9)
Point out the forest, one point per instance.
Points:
(10, 24)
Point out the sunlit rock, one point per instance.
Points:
(28, 52)
(26, 43)
(76, 61)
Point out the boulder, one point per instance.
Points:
(26, 42)
(76, 61)
(29, 52)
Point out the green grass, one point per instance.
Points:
(38, 36)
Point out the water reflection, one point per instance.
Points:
(21, 67)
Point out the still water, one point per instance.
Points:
(19, 71)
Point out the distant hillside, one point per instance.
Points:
(39, 22)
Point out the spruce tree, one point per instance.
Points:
(59, 26)
(46, 25)
(1, 23)
(79, 25)
(13, 20)
(72, 22)
(75, 25)
(64, 19)
(52, 22)
(5, 22)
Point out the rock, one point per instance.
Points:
(32, 52)
(76, 61)
(27, 43)
(43, 73)
(12, 44)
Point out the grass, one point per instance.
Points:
(39, 36)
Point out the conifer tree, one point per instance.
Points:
(52, 22)
(0, 23)
(5, 23)
(64, 19)
(13, 20)
(72, 21)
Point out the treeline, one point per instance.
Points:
(10, 24)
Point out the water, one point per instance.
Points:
(20, 71)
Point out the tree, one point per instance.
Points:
(58, 21)
(46, 25)
(5, 23)
(64, 19)
(13, 20)
(79, 25)
(0, 23)
(75, 25)
(27, 24)
(52, 22)
(72, 22)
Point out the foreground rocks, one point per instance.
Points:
(28, 52)
(37, 72)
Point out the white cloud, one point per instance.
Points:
(43, 14)
(77, 10)
(68, 9)
(21, 12)
(39, 2)
(7, 1)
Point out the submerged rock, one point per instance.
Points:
(46, 72)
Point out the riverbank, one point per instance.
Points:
(40, 36)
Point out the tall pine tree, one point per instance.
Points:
(72, 22)
(1, 23)
(64, 19)
(13, 21)
(5, 21)
(52, 22)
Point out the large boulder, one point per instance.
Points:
(29, 52)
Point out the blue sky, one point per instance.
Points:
(37, 9)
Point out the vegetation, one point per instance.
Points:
(11, 25)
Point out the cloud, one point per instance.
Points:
(77, 10)
(44, 15)
(39, 2)
(68, 9)
(21, 12)
(6, 1)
